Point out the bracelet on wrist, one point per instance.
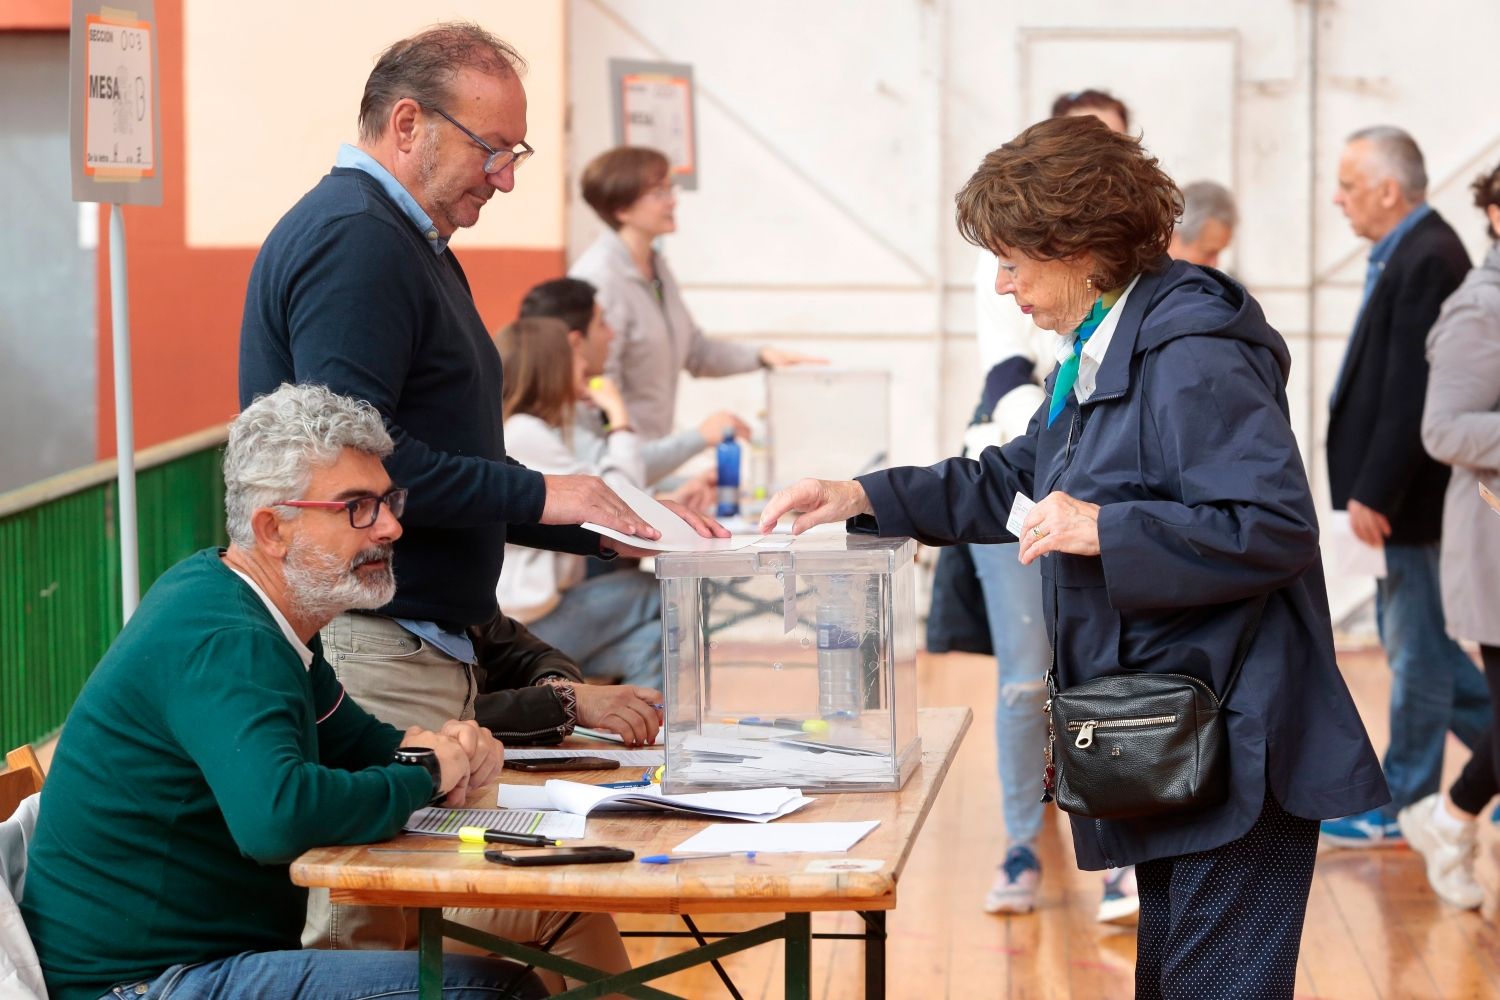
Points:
(567, 696)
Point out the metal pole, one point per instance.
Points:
(119, 310)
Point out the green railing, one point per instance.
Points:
(60, 569)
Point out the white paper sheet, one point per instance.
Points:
(1018, 512)
(606, 736)
(676, 534)
(782, 838)
(755, 805)
(1344, 554)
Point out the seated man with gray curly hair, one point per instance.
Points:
(213, 744)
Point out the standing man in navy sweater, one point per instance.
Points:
(356, 288)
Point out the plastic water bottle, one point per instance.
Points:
(840, 663)
(729, 476)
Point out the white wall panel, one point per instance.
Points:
(272, 90)
(836, 134)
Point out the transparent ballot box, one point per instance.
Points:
(791, 662)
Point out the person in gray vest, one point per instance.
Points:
(1461, 427)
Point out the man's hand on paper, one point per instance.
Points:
(629, 712)
(818, 501)
(576, 499)
(1368, 524)
(701, 523)
(1059, 523)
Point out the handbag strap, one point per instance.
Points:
(1241, 648)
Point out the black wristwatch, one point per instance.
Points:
(423, 757)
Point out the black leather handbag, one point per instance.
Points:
(1128, 746)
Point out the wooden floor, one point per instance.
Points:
(1374, 930)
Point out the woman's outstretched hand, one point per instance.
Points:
(816, 501)
(1059, 523)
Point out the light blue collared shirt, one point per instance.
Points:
(357, 159)
(1385, 247)
(456, 644)
(1380, 254)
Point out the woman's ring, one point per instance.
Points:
(1038, 533)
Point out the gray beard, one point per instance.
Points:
(320, 586)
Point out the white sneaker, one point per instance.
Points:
(1121, 903)
(1016, 883)
(1449, 853)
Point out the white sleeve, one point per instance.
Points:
(622, 460)
(532, 580)
(1004, 332)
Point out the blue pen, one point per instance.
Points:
(649, 776)
(667, 859)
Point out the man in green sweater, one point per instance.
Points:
(213, 744)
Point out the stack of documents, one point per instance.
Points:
(756, 805)
(437, 821)
(649, 755)
(803, 761)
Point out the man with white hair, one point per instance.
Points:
(1207, 227)
(1379, 472)
(213, 744)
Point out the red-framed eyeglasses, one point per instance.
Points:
(363, 511)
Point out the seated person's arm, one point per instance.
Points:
(244, 715)
(518, 700)
(530, 692)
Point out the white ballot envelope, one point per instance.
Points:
(1018, 512)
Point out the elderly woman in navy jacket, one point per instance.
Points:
(1174, 501)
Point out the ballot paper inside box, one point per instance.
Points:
(791, 662)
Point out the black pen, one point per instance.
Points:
(479, 835)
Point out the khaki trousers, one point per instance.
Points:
(402, 680)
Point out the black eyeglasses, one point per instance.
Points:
(498, 159)
(363, 511)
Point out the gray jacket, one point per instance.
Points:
(1461, 426)
(654, 340)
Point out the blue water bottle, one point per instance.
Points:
(729, 476)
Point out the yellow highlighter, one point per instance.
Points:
(479, 835)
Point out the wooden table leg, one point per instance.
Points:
(874, 954)
(430, 955)
(798, 956)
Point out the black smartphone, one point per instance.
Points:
(596, 855)
(561, 764)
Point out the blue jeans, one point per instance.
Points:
(331, 975)
(1435, 687)
(1013, 601)
(610, 626)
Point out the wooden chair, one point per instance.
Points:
(22, 777)
(20, 972)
